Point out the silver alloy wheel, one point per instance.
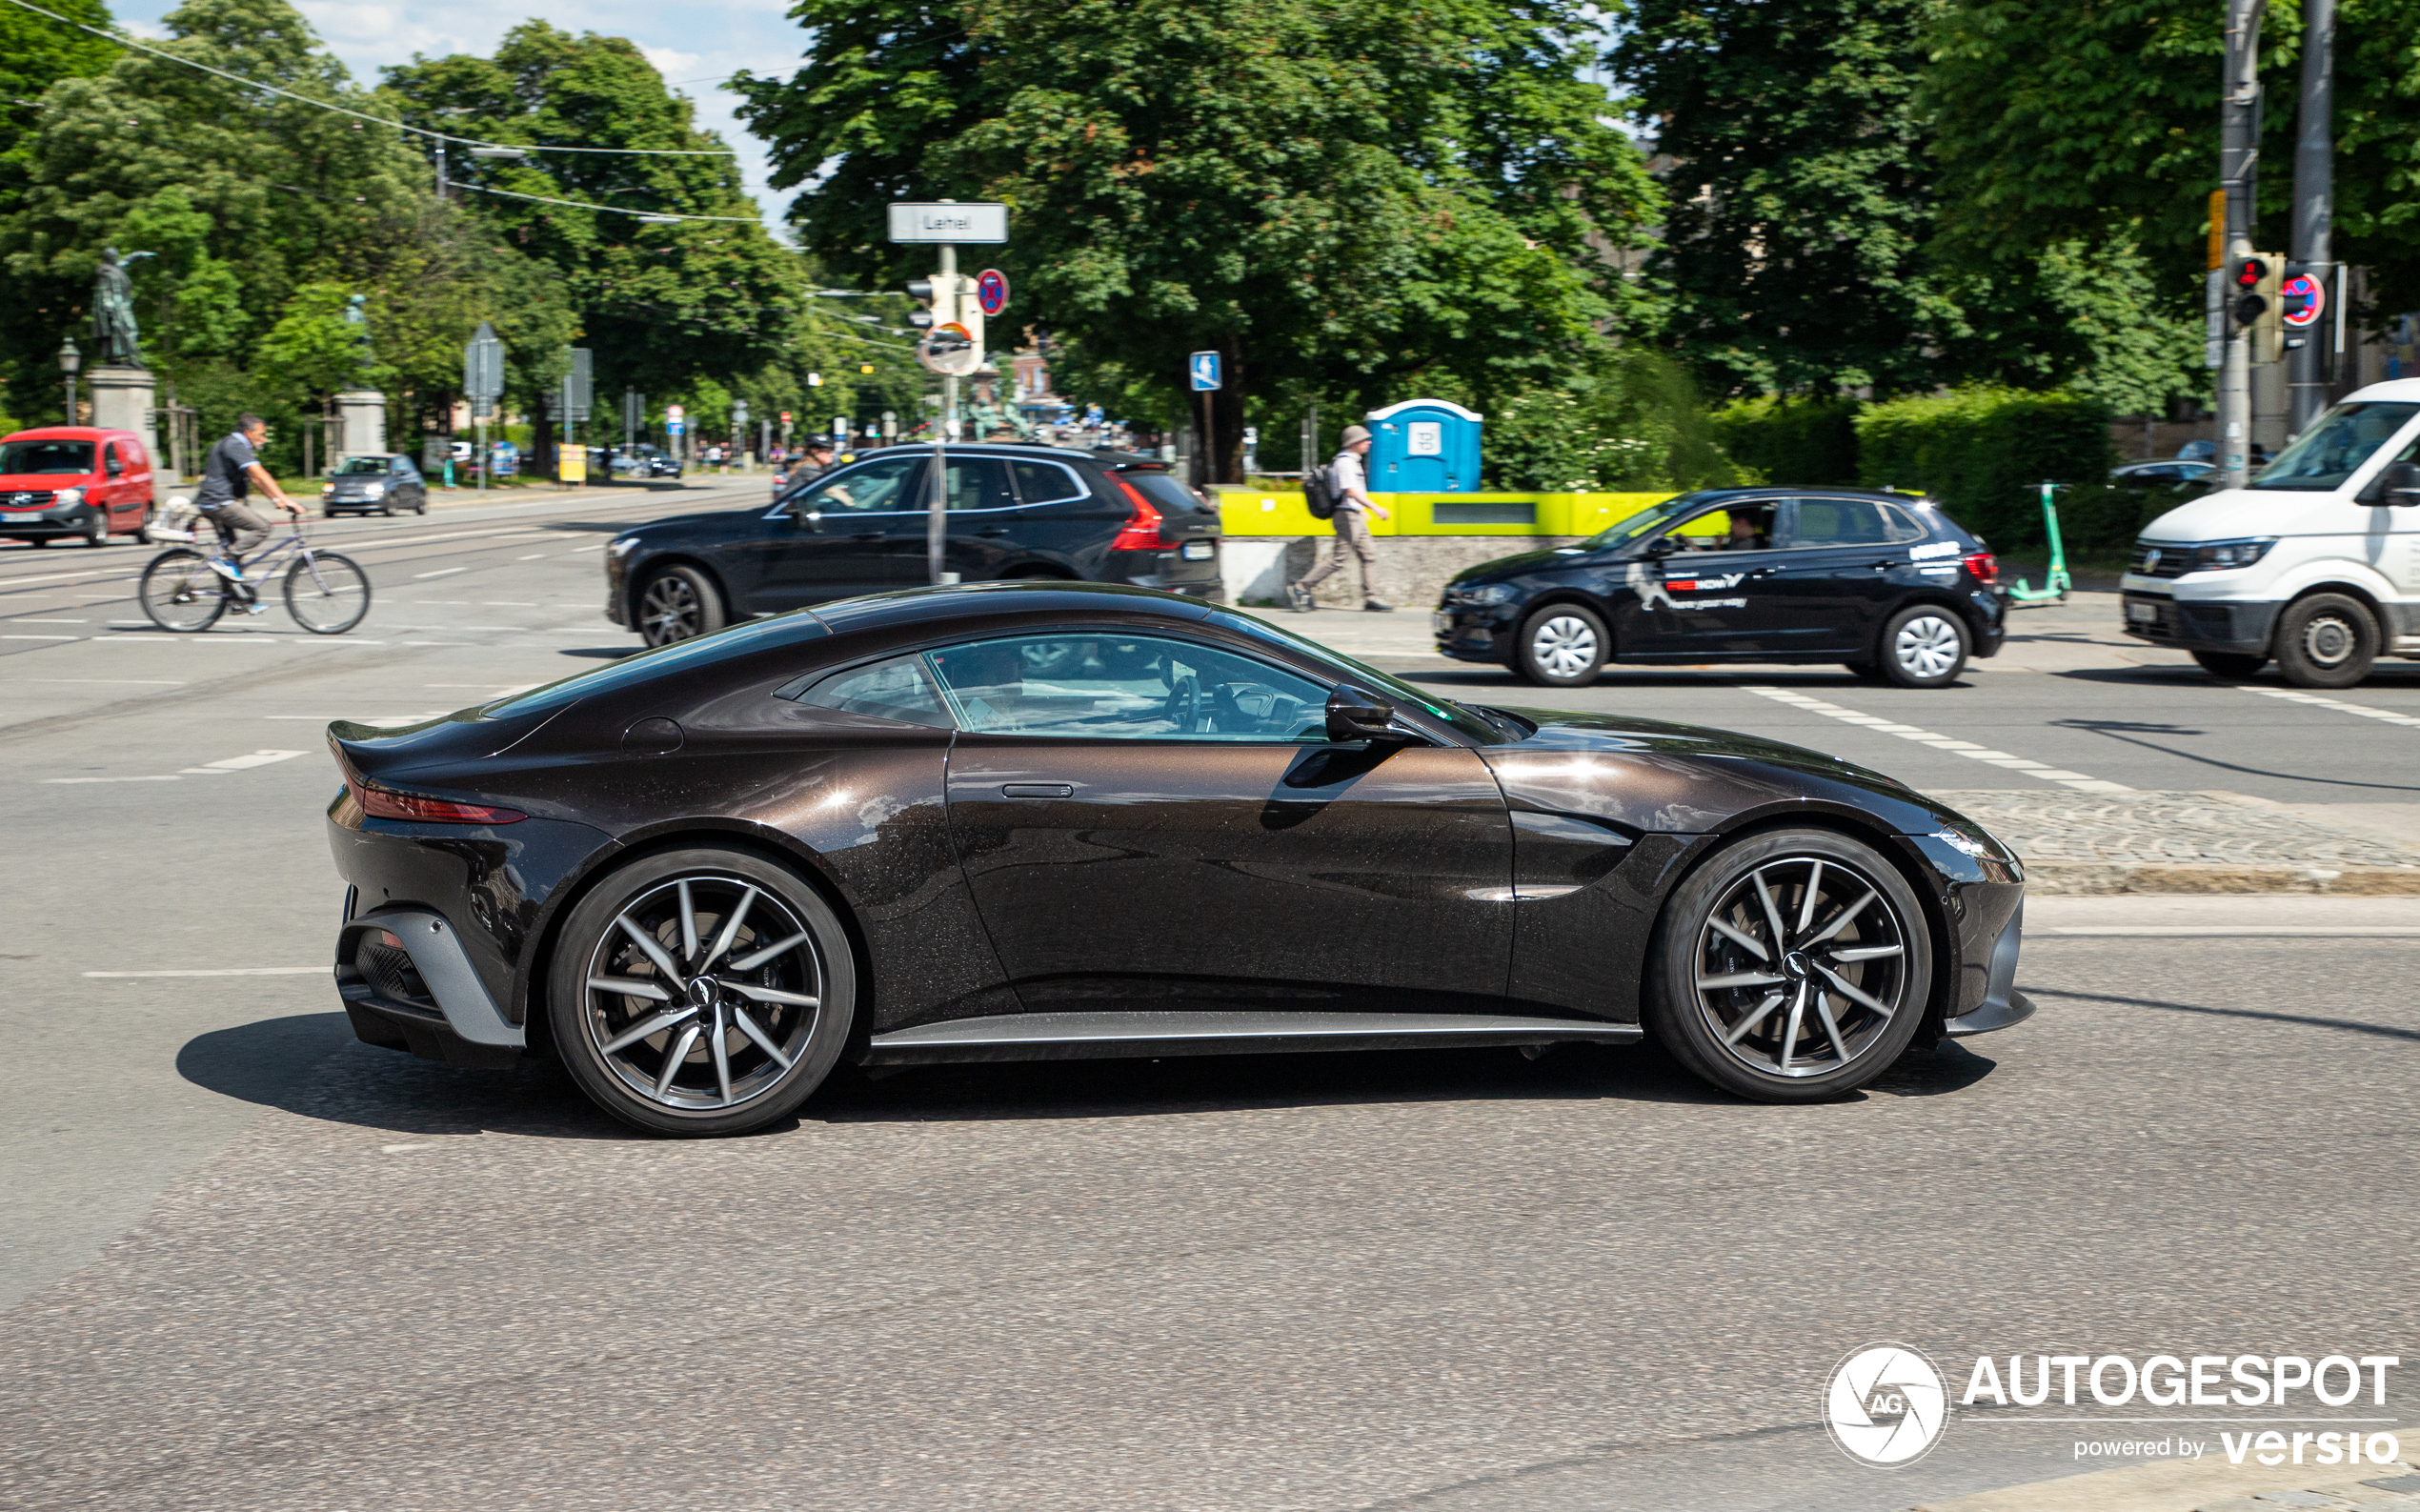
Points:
(670, 609)
(1801, 967)
(1927, 646)
(1564, 646)
(704, 992)
(2328, 640)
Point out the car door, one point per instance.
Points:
(835, 539)
(406, 486)
(1841, 572)
(1149, 822)
(982, 519)
(1702, 591)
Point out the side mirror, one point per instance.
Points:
(1357, 714)
(2398, 485)
(808, 521)
(1661, 546)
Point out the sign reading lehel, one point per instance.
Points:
(949, 223)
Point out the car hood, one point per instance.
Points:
(1655, 775)
(691, 527)
(1503, 567)
(2232, 513)
(43, 482)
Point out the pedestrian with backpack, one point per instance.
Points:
(1341, 493)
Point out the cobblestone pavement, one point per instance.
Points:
(2210, 1484)
(2182, 842)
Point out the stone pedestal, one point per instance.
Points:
(122, 400)
(361, 424)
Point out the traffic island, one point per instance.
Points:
(2092, 844)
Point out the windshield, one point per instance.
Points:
(1486, 728)
(60, 457)
(1647, 522)
(2333, 450)
(363, 466)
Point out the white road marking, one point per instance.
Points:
(50, 621)
(2041, 770)
(507, 603)
(223, 971)
(436, 642)
(363, 718)
(220, 768)
(41, 638)
(532, 558)
(2316, 701)
(2243, 931)
(442, 571)
(403, 1149)
(576, 550)
(109, 682)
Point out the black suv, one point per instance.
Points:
(1013, 511)
(1883, 583)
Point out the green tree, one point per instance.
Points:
(37, 52)
(1331, 192)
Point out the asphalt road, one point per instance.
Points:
(249, 1263)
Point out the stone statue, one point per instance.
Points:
(113, 329)
(359, 318)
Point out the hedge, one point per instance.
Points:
(1807, 441)
(1984, 452)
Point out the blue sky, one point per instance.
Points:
(694, 44)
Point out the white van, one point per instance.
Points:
(2316, 562)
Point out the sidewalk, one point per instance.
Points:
(2210, 1484)
(2080, 843)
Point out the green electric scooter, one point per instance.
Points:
(2056, 582)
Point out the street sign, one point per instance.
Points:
(814, 380)
(673, 411)
(674, 427)
(949, 222)
(991, 290)
(579, 396)
(483, 370)
(949, 350)
(785, 417)
(2305, 298)
(1203, 367)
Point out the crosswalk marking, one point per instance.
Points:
(2021, 765)
(2339, 705)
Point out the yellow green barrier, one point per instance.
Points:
(1253, 511)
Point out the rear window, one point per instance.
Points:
(646, 665)
(1164, 490)
(58, 457)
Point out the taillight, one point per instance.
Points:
(1142, 528)
(1983, 565)
(385, 804)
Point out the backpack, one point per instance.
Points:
(1319, 492)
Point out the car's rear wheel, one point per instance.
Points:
(2233, 666)
(1923, 647)
(2328, 640)
(701, 992)
(1791, 967)
(96, 529)
(1562, 646)
(678, 603)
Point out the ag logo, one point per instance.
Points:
(1886, 1405)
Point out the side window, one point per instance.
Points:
(1741, 527)
(1838, 522)
(1116, 687)
(979, 483)
(1045, 482)
(878, 486)
(110, 461)
(1902, 526)
(898, 689)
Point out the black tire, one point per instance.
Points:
(387, 510)
(700, 1095)
(2328, 640)
(1562, 646)
(97, 532)
(327, 594)
(2231, 666)
(678, 603)
(1924, 646)
(179, 592)
(1765, 1056)
(421, 508)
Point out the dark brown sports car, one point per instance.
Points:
(1017, 822)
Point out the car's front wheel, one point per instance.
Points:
(1562, 646)
(701, 992)
(1923, 647)
(1790, 967)
(2328, 640)
(678, 603)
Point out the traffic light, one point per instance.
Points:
(948, 300)
(2256, 307)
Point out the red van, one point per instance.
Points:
(74, 482)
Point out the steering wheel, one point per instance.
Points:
(1183, 708)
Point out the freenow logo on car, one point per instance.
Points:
(1885, 1405)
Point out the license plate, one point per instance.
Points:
(2141, 614)
(1440, 621)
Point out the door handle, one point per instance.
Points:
(994, 530)
(1037, 790)
(1885, 565)
(867, 535)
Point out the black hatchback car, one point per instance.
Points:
(1883, 583)
(1014, 511)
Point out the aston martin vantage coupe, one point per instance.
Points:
(1047, 821)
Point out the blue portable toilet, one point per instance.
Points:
(1423, 446)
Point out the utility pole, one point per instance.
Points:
(2315, 206)
(953, 322)
(2238, 172)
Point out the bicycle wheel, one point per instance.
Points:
(327, 594)
(180, 593)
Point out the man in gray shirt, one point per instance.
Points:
(1350, 480)
(228, 474)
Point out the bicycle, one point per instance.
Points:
(327, 594)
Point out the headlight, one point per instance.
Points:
(68, 497)
(1489, 593)
(327, 488)
(1978, 842)
(622, 547)
(374, 490)
(2219, 557)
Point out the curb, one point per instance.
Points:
(2196, 1486)
(2111, 878)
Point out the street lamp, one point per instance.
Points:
(69, 361)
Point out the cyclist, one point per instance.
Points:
(228, 474)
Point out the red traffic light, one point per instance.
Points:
(2250, 272)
